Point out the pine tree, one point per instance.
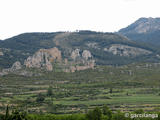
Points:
(7, 113)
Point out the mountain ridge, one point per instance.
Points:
(106, 48)
(145, 30)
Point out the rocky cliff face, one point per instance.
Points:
(43, 59)
(1, 53)
(75, 54)
(15, 67)
(86, 54)
(49, 59)
(82, 60)
(124, 50)
(145, 25)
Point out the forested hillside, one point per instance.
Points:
(101, 45)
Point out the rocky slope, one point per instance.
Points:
(1, 53)
(49, 59)
(46, 58)
(16, 69)
(72, 51)
(144, 30)
(43, 59)
(142, 25)
(125, 50)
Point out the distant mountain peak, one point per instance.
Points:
(142, 25)
(145, 30)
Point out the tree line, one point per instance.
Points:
(97, 113)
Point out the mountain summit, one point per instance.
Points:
(142, 25)
(144, 30)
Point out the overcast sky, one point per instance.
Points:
(19, 16)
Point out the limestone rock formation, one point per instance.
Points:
(86, 54)
(93, 45)
(90, 65)
(75, 53)
(124, 50)
(1, 53)
(43, 59)
(2, 73)
(85, 60)
(15, 67)
(47, 58)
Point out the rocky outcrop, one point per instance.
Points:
(86, 54)
(1, 53)
(43, 59)
(15, 67)
(82, 60)
(145, 25)
(90, 65)
(124, 50)
(75, 53)
(50, 59)
(93, 45)
(2, 73)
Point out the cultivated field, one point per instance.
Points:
(125, 88)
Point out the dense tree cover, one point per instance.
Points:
(151, 38)
(95, 114)
(40, 98)
(49, 91)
